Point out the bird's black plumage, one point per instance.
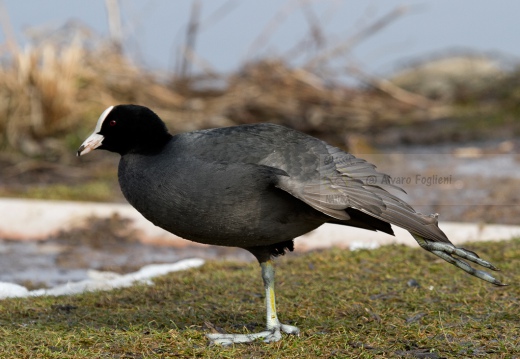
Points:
(255, 186)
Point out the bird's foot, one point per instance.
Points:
(267, 336)
(447, 252)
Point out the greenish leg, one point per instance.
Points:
(274, 327)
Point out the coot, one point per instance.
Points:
(256, 187)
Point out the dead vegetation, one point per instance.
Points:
(53, 89)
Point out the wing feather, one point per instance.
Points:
(344, 181)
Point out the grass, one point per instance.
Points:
(92, 180)
(96, 191)
(347, 304)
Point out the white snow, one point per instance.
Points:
(11, 290)
(101, 281)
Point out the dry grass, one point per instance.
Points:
(53, 90)
(57, 85)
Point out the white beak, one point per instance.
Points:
(95, 139)
(91, 143)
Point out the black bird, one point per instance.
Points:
(256, 187)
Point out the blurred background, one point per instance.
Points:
(427, 90)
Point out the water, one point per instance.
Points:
(39, 264)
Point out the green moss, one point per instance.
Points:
(98, 191)
(347, 305)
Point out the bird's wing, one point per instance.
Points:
(345, 181)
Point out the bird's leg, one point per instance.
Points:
(274, 327)
(447, 252)
(273, 324)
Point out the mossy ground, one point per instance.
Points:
(359, 304)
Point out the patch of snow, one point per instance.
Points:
(101, 281)
(355, 245)
(11, 290)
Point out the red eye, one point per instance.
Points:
(112, 123)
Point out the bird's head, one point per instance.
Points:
(127, 129)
